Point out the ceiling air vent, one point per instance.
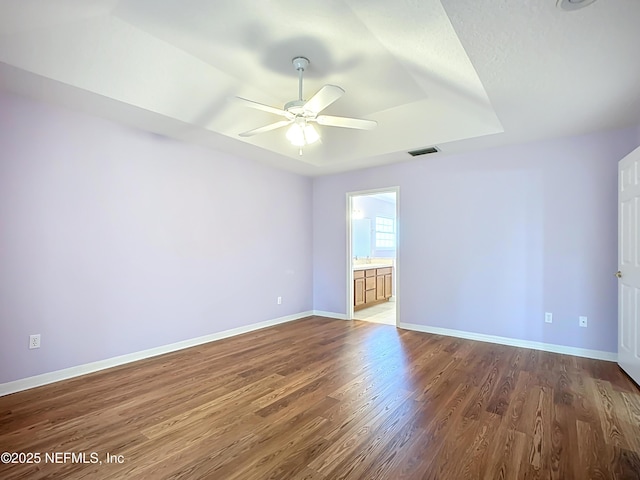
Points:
(423, 151)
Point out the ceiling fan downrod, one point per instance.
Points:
(300, 64)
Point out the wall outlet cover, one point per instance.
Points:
(34, 341)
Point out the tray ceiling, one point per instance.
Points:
(460, 75)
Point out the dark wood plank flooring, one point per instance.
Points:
(330, 399)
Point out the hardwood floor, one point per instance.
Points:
(321, 398)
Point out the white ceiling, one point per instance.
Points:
(459, 74)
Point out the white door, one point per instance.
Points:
(629, 264)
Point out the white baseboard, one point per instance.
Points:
(51, 377)
(513, 342)
(338, 316)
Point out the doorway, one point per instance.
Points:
(373, 253)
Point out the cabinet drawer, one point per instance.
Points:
(370, 283)
(358, 274)
(370, 296)
(384, 271)
(370, 273)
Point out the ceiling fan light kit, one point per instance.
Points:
(301, 133)
(300, 114)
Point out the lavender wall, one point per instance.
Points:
(114, 241)
(489, 241)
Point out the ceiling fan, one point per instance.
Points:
(301, 114)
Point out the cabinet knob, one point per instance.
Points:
(618, 274)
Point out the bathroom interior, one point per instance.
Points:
(374, 253)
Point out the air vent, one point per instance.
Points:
(423, 151)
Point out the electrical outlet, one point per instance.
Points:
(279, 300)
(34, 341)
(548, 317)
(583, 322)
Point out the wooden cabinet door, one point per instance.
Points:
(380, 284)
(358, 292)
(369, 296)
(388, 286)
(370, 283)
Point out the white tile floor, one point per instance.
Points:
(381, 313)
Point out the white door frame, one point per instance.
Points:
(349, 259)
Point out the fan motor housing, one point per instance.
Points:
(295, 107)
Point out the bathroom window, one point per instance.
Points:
(385, 233)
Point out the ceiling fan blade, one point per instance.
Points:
(266, 128)
(263, 107)
(346, 122)
(323, 98)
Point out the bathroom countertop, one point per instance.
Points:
(368, 266)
